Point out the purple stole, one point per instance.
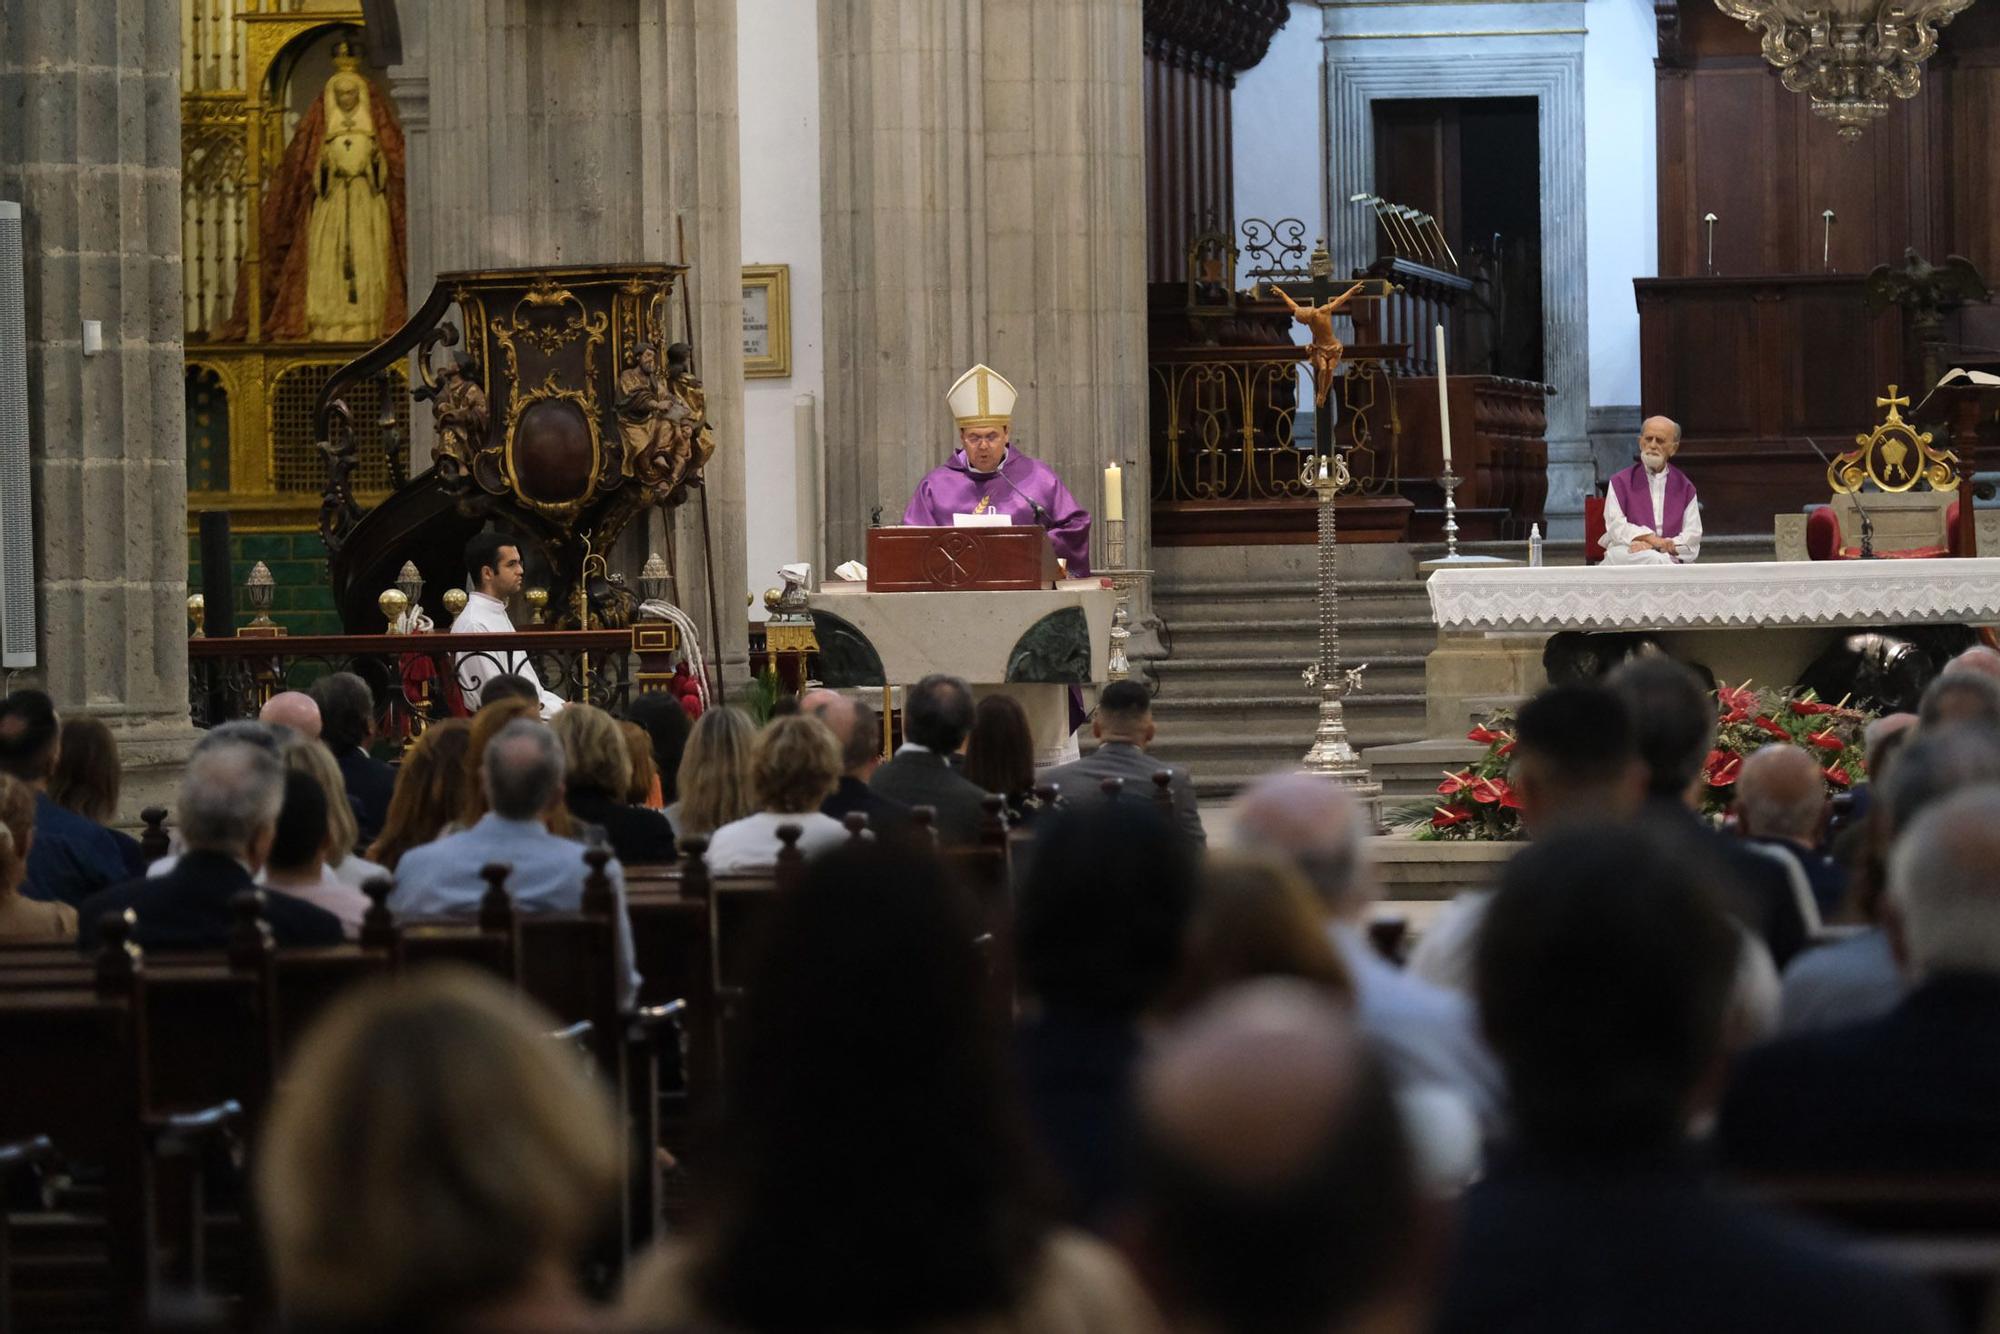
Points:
(1635, 498)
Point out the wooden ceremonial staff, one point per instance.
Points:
(707, 547)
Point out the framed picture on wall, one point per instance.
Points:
(767, 321)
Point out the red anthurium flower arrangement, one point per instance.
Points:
(1478, 801)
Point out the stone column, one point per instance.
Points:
(984, 201)
(1066, 240)
(578, 133)
(90, 148)
(902, 153)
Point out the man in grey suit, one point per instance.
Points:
(937, 717)
(1124, 728)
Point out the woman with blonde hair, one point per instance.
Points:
(433, 1159)
(316, 762)
(714, 776)
(23, 919)
(429, 791)
(597, 773)
(794, 766)
(487, 724)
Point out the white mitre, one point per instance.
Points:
(981, 397)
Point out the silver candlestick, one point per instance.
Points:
(1118, 666)
(1332, 755)
(1450, 482)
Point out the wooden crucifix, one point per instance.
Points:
(1326, 347)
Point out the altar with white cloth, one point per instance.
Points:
(1760, 621)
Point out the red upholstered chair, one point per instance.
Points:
(1593, 529)
(1824, 540)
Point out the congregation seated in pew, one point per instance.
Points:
(226, 818)
(1260, 1115)
(22, 918)
(794, 766)
(937, 718)
(521, 775)
(597, 776)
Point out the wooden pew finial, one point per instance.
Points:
(1048, 794)
(496, 906)
(598, 900)
(856, 824)
(923, 819)
(119, 957)
(694, 876)
(993, 820)
(153, 841)
(378, 925)
(1163, 790)
(1111, 788)
(250, 938)
(791, 866)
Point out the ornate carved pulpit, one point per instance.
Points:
(562, 413)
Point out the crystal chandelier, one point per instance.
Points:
(1849, 56)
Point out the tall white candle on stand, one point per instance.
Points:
(1114, 494)
(1444, 410)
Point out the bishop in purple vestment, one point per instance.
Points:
(987, 476)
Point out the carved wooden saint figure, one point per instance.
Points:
(654, 423)
(1326, 349)
(459, 413)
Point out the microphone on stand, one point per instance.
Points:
(1867, 524)
(1041, 515)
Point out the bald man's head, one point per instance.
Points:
(1316, 825)
(1276, 1190)
(832, 708)
(852, 723)
(1781, 793)
(294, 709)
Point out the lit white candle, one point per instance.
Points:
(1444, 408)
(1114, 494)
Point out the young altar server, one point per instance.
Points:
(1651, 516)
(493, 567)
(987, 476)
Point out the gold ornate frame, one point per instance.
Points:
(776, 282)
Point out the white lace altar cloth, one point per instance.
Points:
(1721, 596)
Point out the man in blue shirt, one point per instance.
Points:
(71, 857)
(523, 775)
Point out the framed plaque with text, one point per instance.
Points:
(767, 321)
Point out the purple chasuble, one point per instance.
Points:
(1016, 490)
(1635, 497)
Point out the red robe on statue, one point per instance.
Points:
(287, 212)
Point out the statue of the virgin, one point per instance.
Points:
(333, 226)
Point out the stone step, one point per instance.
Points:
(1414, 769)
(1255, 603)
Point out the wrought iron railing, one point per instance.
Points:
(418, 679)
(1225, 424)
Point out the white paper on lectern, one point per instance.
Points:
(992, 519)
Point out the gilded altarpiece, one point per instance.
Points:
(272, 92)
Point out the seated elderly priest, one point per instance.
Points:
(1650, 514)
(987, 476)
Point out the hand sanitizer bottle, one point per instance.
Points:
(1535, 547)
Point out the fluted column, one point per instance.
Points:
(578, 133)
(1066, 238)
(90, 148)
(983, 201)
